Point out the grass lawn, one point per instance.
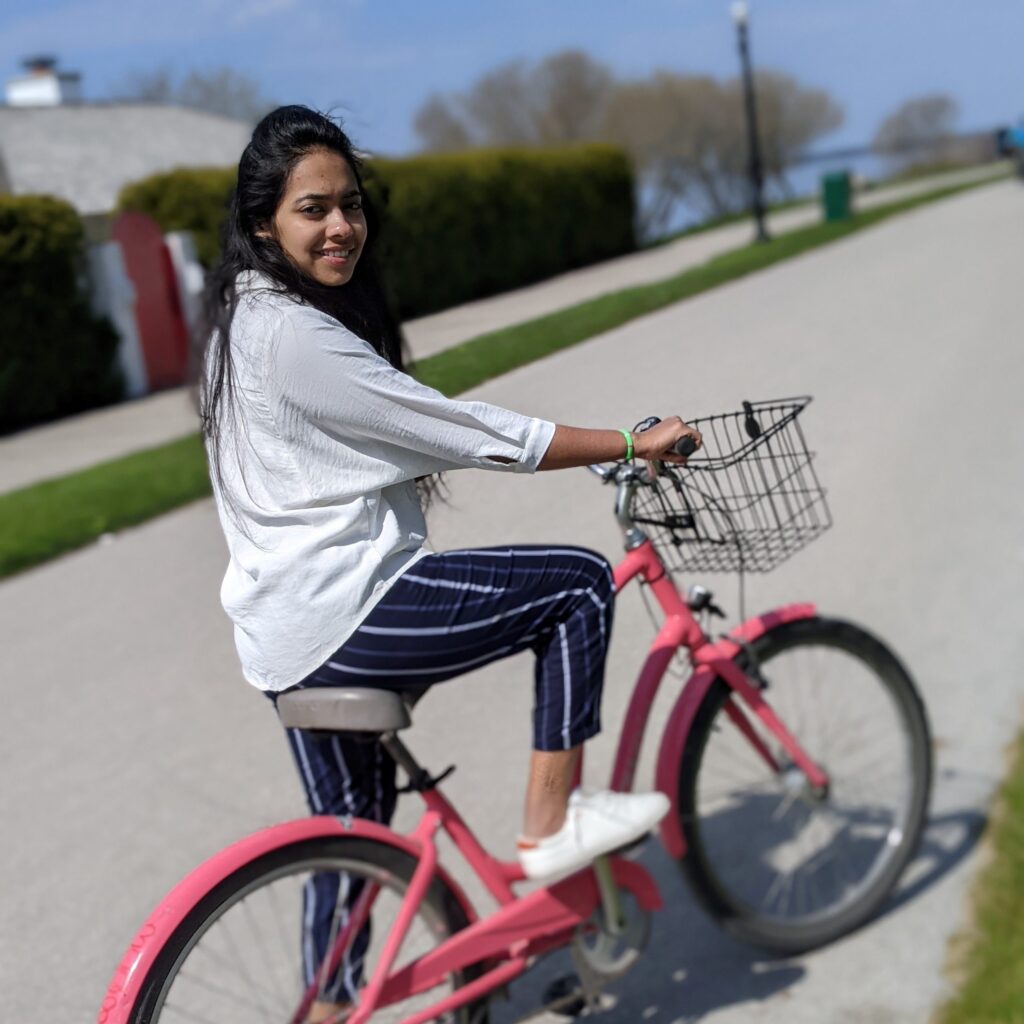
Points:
(991, 989)
(48, 519)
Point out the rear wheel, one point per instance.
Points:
(781, 866)
(243, 953)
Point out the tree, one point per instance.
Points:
(439, 129)
(688, 138)
(919, 131)
(560, 99)
(498, 109)
(221, 91)
(686, 141)
(685, 133)
(790, 118)
(570, 93)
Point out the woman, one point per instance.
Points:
(317, 440)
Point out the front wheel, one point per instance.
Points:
(252, 948)
(780, 865)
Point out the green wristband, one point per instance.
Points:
(629, 444)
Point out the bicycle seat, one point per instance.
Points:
(346, 709)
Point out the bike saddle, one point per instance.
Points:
(346, 709)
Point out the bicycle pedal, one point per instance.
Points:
(564, 996)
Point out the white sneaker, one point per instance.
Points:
(595, 823)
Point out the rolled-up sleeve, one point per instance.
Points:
(336, 381)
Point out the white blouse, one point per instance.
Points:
(320, 450)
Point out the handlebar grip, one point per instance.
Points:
(685, 446)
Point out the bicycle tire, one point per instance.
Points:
(440, 914)
(716, 882)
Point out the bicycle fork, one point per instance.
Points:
(740, 685)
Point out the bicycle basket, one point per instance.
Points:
(746, 501)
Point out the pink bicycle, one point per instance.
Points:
(797, 758)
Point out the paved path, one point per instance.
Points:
(131, 748)
(81, 441)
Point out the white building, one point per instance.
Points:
(53, 143)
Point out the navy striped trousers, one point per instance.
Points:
(446, 615)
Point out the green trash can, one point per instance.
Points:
(835, 195)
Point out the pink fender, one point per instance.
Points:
(138, 959)
(677, 730)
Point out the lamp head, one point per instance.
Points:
(740, 13)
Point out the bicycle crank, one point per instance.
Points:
(601, 956)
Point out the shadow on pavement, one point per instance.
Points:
(692, 967)
(947, 840)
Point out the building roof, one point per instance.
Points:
(85, 153)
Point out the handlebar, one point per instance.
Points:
(629, 476)
(684, 446)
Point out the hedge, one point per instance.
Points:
(455, 227)
(56, 357)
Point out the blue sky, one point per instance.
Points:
(375, 61)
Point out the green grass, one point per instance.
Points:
(992, 984)
(50, 518)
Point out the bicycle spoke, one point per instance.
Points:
(224, 962)
(781, 848)
(286, 950)
(257, 933)
(237, 972)
(240, 968)
(235, 998)
(189, 1014)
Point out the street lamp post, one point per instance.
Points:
(741, 16)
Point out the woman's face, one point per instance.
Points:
(320, 222)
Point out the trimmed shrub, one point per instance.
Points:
(465, 225)
(187, 199)
(455, 227)
(56, 356)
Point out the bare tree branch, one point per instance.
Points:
(685, 133)
(221, 91)
(918, 131)
(439, 127)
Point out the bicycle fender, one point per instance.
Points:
(138, 959)
(680, 720)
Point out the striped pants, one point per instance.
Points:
(446, 615)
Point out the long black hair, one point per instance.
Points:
(278, 143)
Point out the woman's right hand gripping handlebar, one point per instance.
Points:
(669, 440)
(666, 440)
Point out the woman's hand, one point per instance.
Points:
(576, 446)
(656, 443)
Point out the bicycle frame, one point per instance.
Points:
(545, 919)
(711, 660)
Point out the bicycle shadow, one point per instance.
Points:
(692, 967)
(948, 838)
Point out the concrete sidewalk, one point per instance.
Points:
(80, 441)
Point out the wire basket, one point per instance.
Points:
(746, 501)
